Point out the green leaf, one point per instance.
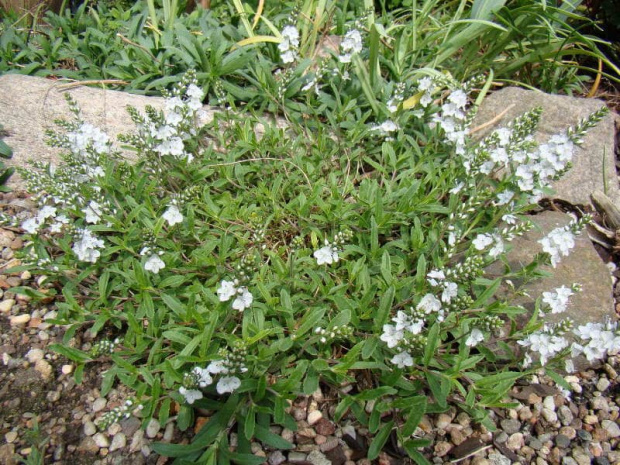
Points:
(410, 447)
(385, 306)
(376, 446)
(273, 440)
(431, 344)
(484, 9)
(372, 394)
(249, 423)
(487, 294)
(386, 267)
(414, 415)
(71, 353)
(309, 321)
(185, 418)
(440, 387)
(174, 304)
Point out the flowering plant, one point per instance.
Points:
(238, 269)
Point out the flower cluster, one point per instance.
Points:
(328, 254)
(453, 119)
(165, 134)
(599, 340)
(449, 289)
(350, 45)
(87, 245)
(336, 332)
(559, 242)
(153, 262)
(227, 368)
(104, 347)
(117, 414)
(557, 301)
(229, 289)
(289, 45)
(546, 343)
(34, 224)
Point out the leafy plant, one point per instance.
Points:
(233, 268)
(5, 173)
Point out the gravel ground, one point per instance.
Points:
(43, 409)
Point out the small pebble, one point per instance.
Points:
(153, 428)
(99, 404)
(89, 428)
(67, 369)
(10, 437)
(612, 428)
(314, 416)
(562, 441)
(19, 320)
(602, 384)
(101, 440)
(118, 442)
(6, 305)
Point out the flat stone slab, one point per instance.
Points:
(29, 105)
(583, 266)
(593, 164)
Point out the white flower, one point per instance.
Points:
(458, 188)
(173, 215)
(154, 264)
(482, 241)
(289, 56)
(217, 367)
(351, 44)
(226, 290)
(92, 212)
(194, 92)
(289, 44)
(504, 197)
(391, 336)
(385, 128)
(402, 360)
(244, 299)
(503, 135)
(32, 225)
(228, 384)
(191, 395)
(46, 212)
(86, 248)
(204, 378)
(450, 290)
(558, 243)
(558, 300)
(459, 98)
(406, 322)
(426, 83)
(435, 276)
(545, 344)
(498, 246)
(57, 225)
(429, 304)
(474, 338)
(326, 255)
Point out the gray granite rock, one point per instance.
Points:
(594, 303)
(593, 164)
(29, 105)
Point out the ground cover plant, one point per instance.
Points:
(145, 47)
(238, 263)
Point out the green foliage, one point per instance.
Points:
(147, 47)
(5, 173)
(238, 264)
